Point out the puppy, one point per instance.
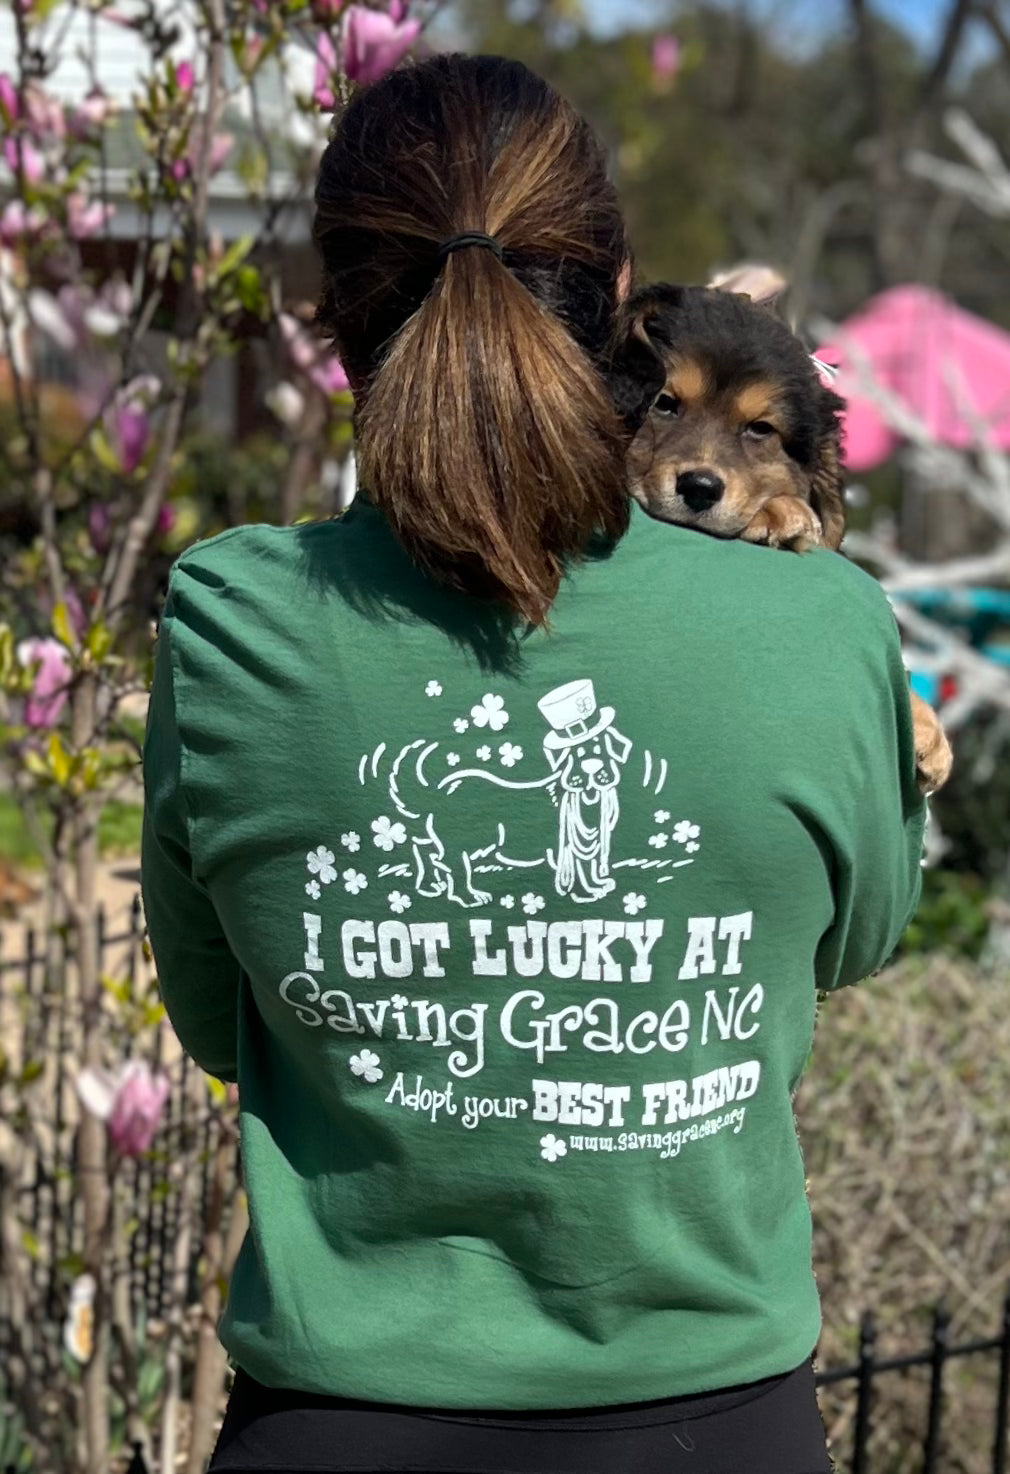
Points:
(736, 434)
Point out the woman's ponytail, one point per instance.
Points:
(485, 429)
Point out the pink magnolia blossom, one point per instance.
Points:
(326, 64)
(57, 317)
(128, 421)
(665, 58)
(325, 10)
(44, 114)
(10, 107)
(49, 691)
(375, 42)
(166, 520)
(221, 146)
(18, 222)
(320, 366)
(91, 113)
(129, 1100)
(185, 76)
(130, 431)
(249, 53)
(99, 526)
(86, 217)
(20, 153)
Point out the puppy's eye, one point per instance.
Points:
(759, 429)
(667, 405)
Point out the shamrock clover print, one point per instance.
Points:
(366, 1066)
(532, 903)
(510, 754)
(433, 688)
(320, 862)
(354, 881)
(490, 713)
(552, 1148)
(386, 834)
(398, 902)
(351, 841)
(633, 903)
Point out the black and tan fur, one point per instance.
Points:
(737, 435)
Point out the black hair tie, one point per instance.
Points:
(469, 238)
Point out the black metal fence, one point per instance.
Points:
(49, 1208)
(937, 1357)
(49, 1216)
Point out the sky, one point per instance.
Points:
(919, 17)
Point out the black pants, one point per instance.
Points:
(770, 1427)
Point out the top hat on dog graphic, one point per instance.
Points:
(569, 711)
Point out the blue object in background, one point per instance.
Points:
(980, 616)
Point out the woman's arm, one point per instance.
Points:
(198, 975)
(880, 815)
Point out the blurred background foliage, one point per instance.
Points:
(780, 136)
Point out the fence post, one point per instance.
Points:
(138, 1464)
(999, 1453)
(931, 1446)
(864, 1379)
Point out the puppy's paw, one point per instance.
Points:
(933, 756)
(785, 522)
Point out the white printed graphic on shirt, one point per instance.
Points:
(423, 846)
(584, 760)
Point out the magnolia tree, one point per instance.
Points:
(116, 262)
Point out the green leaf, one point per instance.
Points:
(35, 764)
(32, 1069)
(9, 663)
(217, 1089)
(232, 258)
(99, 640)
(250, 291)
(30, 1244)
(60, 766)
(62, 627)
(103, 451)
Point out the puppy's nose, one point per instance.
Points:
(700, 489)
(591, 765)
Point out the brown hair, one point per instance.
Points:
(485, 429)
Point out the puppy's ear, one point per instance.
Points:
(636, 371)
(827, 487)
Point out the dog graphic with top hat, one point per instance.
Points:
(585, 754)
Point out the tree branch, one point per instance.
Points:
(960, 13)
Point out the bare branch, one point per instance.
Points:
(958, 17)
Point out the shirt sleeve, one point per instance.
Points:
(877, 852)
(198, 975)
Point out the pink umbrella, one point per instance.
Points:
(948, 367)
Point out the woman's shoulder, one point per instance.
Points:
(818, 588)
(254, 546)
(252, 565)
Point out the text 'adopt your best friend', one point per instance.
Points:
(589, 951)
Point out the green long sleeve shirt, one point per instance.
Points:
(512, 944)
